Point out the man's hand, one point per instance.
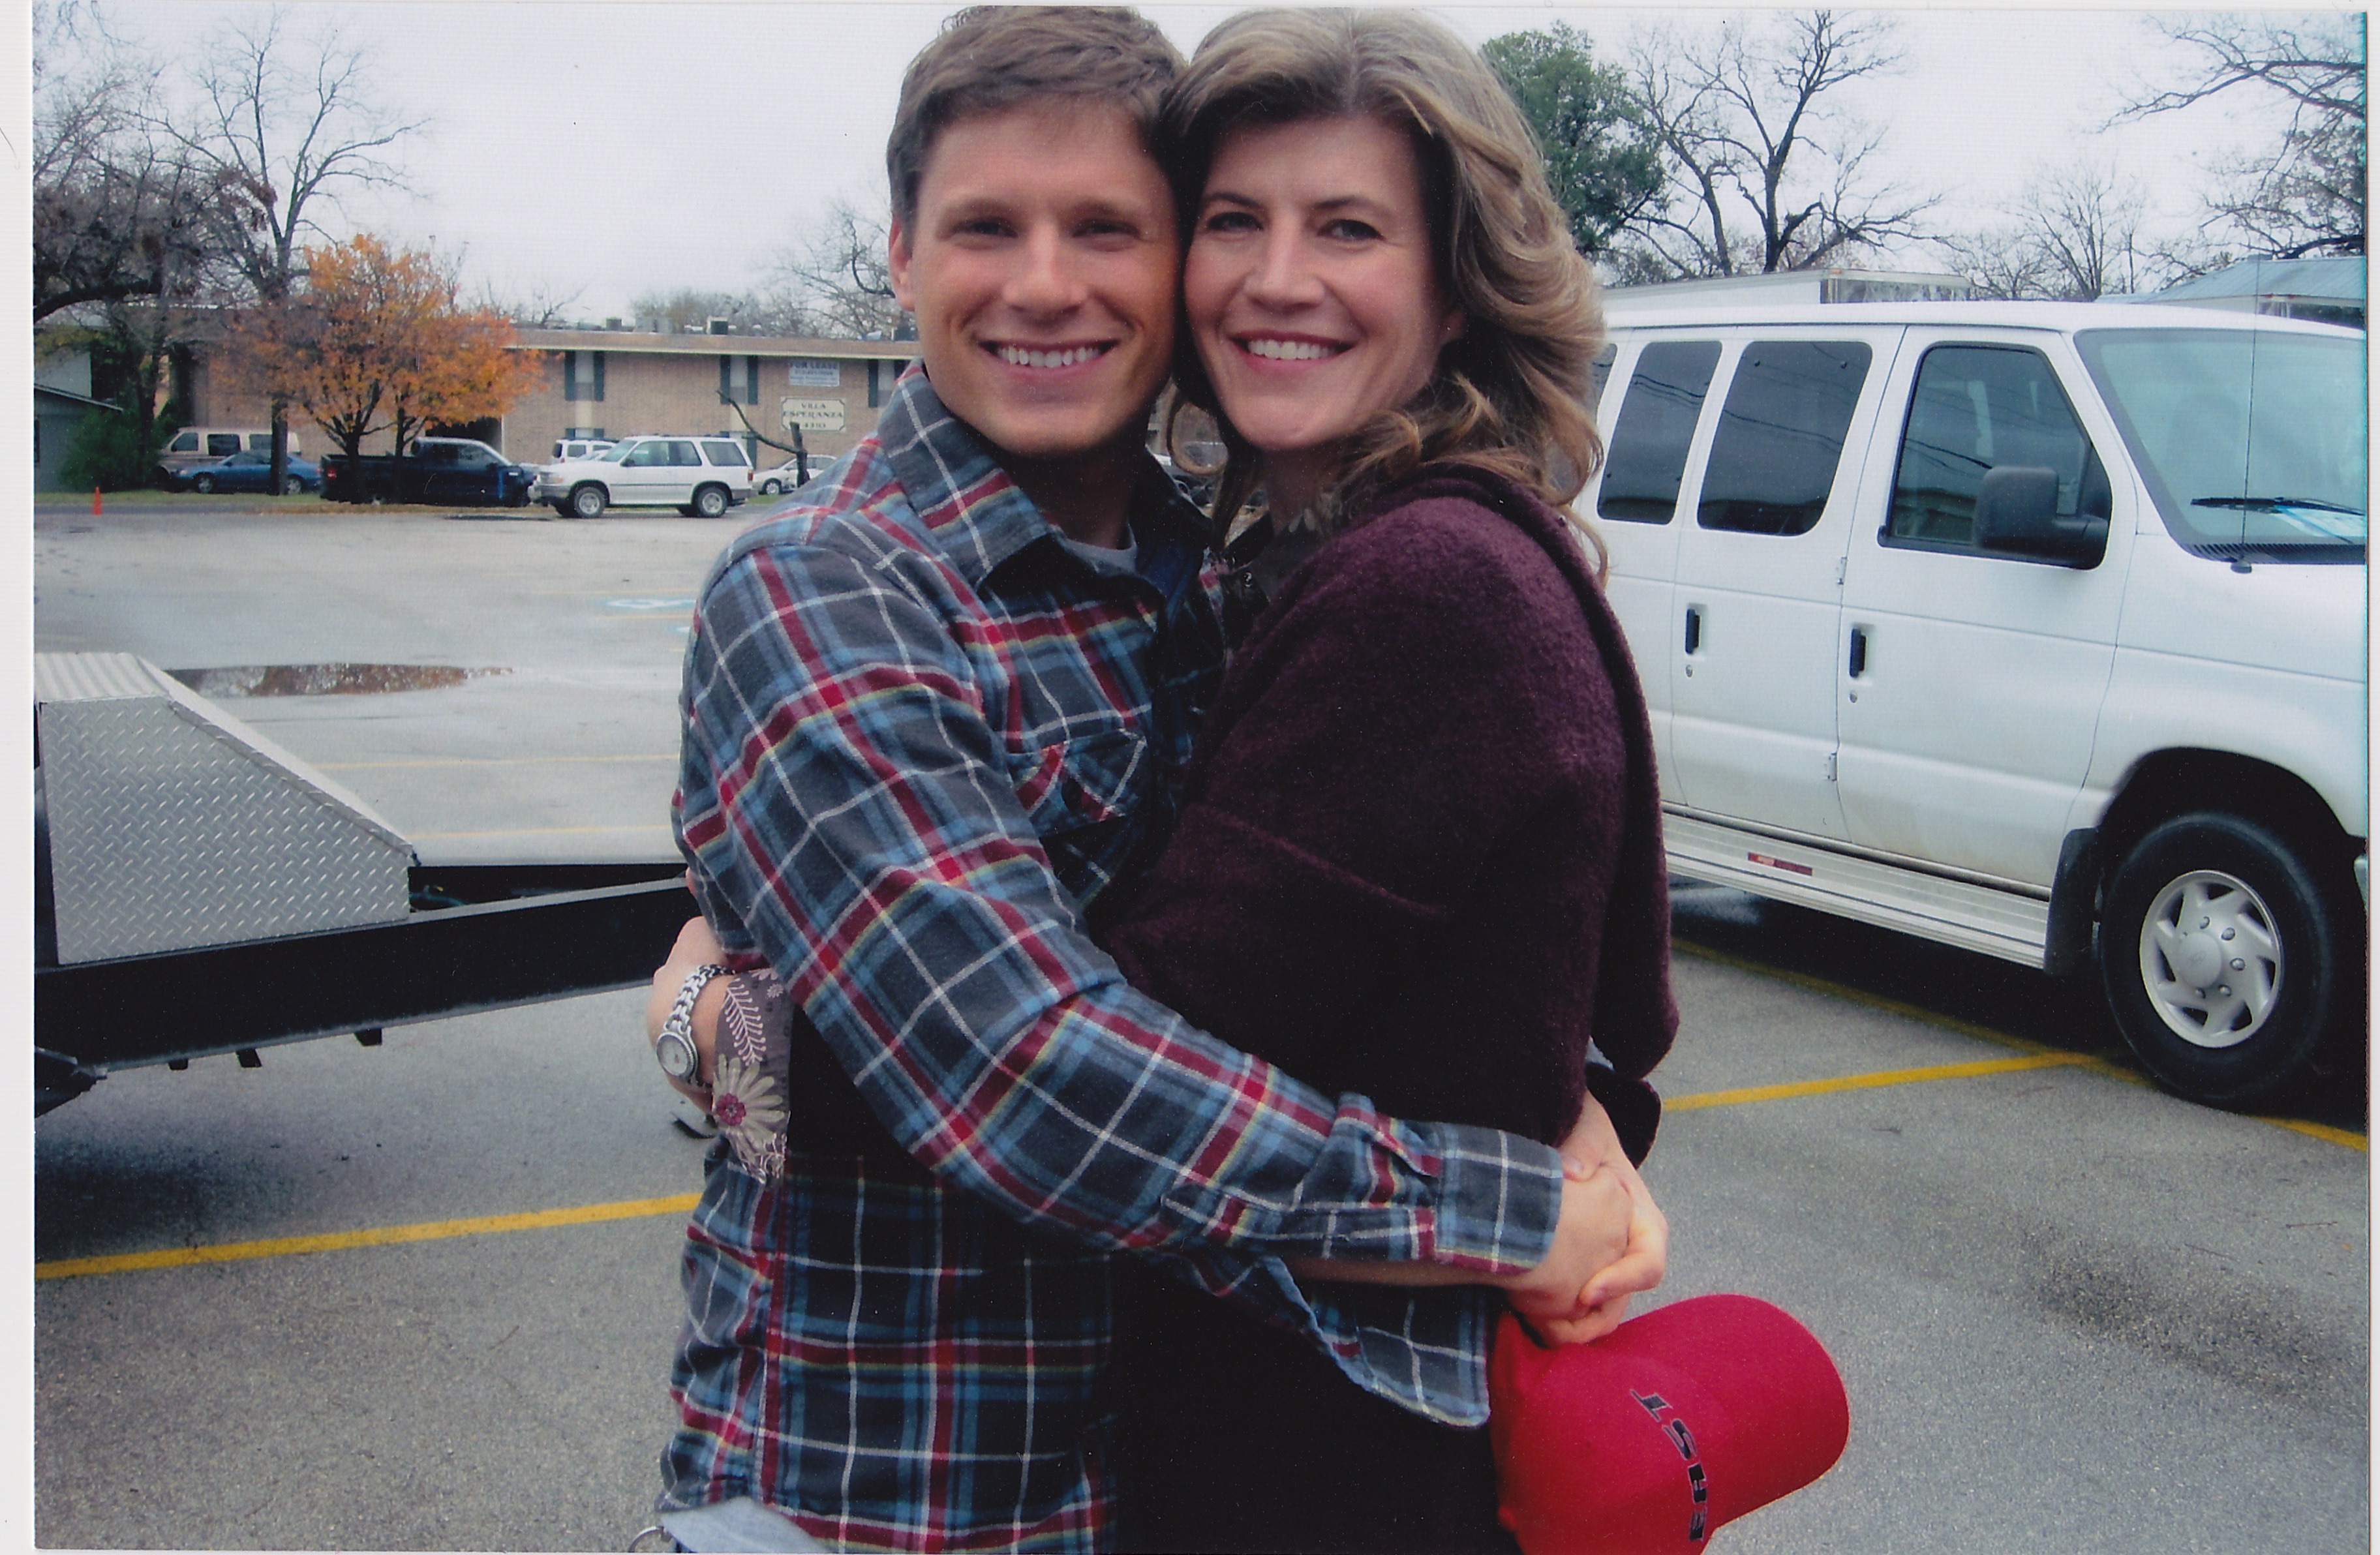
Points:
(1593, 1147)
(1589, 1235)
(696, 945)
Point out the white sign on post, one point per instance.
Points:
(814, 415)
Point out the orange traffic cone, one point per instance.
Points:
(94, 502)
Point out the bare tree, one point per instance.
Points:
(2307, 193)
(841, 277)
(1998, 263)
(116, 212)
(1747, 132)
(690, 308)
(281, 122)
(2085, 224)
(2080, 232)
(540, 305)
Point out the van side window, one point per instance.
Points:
(1780, 435)
(1646, 461)
(261, 441)
(1977, 407)
(223, 443)
(1600, 373)
(185, 444)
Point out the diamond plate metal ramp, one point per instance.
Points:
(174, 826)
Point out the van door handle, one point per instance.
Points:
(1859, 651)
(1693, 627)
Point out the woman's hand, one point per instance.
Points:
(696, 946)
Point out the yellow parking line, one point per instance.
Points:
(2091, 1061)
(2322, 1131)
(378, 1236)
(1871, 1082)
(431, 1231)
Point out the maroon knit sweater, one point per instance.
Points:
(1420, 859)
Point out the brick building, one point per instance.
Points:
(614, 382)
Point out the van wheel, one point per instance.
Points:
(587, 501)
(711, 502)
(2230, 955)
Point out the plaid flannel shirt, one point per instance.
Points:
(921, 739)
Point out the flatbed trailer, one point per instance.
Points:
(485, 937)
(198, 891)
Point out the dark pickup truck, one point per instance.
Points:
(435, 470)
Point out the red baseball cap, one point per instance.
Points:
(1649, 1439)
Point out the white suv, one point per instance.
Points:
(2033, 628)
(702, 476)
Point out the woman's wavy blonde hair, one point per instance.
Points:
(1510, 395)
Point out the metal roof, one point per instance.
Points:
(2327, 279)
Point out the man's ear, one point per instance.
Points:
(896, 245)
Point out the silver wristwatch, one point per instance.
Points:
(680, 1059)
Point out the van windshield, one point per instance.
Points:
(2252, 443)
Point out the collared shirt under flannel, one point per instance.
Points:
(921, 739)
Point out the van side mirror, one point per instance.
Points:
(2016, 514)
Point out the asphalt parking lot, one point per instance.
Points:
(422, 1296)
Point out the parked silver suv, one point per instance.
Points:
(702, 476)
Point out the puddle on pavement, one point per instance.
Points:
(325, 680)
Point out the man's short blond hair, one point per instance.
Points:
(991, 57)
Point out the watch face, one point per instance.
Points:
(677, 1055)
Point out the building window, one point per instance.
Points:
(739, 378)
(582, 375)
(875, 384)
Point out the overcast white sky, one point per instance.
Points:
(624, 148)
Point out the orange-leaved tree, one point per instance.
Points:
(374, 341)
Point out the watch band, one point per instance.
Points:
(679, 1058)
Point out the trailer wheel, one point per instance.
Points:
(2230, 954)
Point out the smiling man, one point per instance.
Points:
(934, 715)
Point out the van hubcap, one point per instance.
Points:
(2210, 959)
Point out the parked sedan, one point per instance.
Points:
(784, 477)
(250, 470)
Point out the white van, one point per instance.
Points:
(197, 445)
(2033, 628)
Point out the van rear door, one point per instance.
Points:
(1651, 405)
(1758, 588)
